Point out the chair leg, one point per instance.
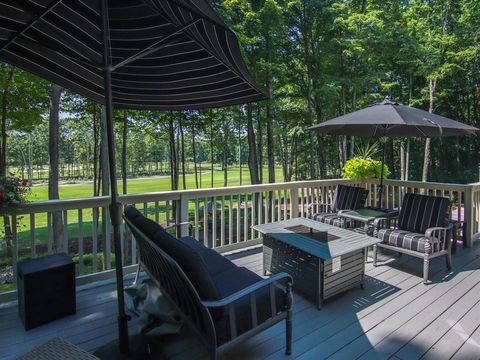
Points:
(137, 275)
(426, 266)
(449, 260)
(288, 321)
(375, 250)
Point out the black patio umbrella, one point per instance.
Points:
(137, 54)
(391, 119)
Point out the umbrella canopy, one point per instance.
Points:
(390, 119)
(138, 54)
(170, 55)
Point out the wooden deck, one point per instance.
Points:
(396, 317)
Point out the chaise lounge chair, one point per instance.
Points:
(223, 304)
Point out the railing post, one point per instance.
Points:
(468, 214)
(294, 202)
(183, 214)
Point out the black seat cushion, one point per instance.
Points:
(408, 240)
(214, 262)
(189, 259)
(146, 225)
(349, 198)
(420, 212)
(233, 280)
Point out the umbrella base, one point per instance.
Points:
(140, 346)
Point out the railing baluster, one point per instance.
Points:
(107, 240)
(285, 204)
(252, 220)
(145, 209)
(230, 220)
(245, 218)
(49, 233)
(239, 233)
(222, 223)
(214, 221)
(95, 213)
(196, 222)
(167, 212)
(65, 231)
(205, 222)
(80, 242)
(279, 205)
(157, 212)
(33, 250)
(14, 248)
(302, 203)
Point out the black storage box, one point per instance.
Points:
(46, 289)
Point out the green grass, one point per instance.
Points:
(151, 184)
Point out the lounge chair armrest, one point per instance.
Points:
(438, 233)
(380, 222)
(248, 290)
(324, 206)
(178, 225)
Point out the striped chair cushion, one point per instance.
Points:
(331, 219)
(407, 240)
(420, 212)
(349, 198)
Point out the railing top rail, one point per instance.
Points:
(192, 193)
(101, 201)
(423, 185)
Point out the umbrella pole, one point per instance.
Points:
(115, 205)
(380, 187)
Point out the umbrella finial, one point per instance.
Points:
(388, 100)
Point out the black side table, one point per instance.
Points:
(46, 289)
(456, 227)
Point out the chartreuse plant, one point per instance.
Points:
(361, 169)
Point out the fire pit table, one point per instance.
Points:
(323, 260)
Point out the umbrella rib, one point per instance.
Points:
(35, 18)
(154, 47)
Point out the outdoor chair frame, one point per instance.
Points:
(184, 299)
(441, 236)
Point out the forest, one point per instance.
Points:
(314, 59)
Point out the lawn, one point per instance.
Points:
(151, 184)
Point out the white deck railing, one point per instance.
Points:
(221, 218)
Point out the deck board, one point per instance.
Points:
(396, 316)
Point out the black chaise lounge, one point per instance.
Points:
(422, 230)
(346, 198)
(223, 304)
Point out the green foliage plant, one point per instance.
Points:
(361, 169)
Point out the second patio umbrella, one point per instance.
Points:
(391, 119)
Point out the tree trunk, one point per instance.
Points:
(270, 145)
(53, 149)
(211, 150)
(30, 160)
(173, 156)
(184, 180)
(3, 156)
(427, 153)
(252, 149)
(260, 146)
(194, 150)
(124, 152)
